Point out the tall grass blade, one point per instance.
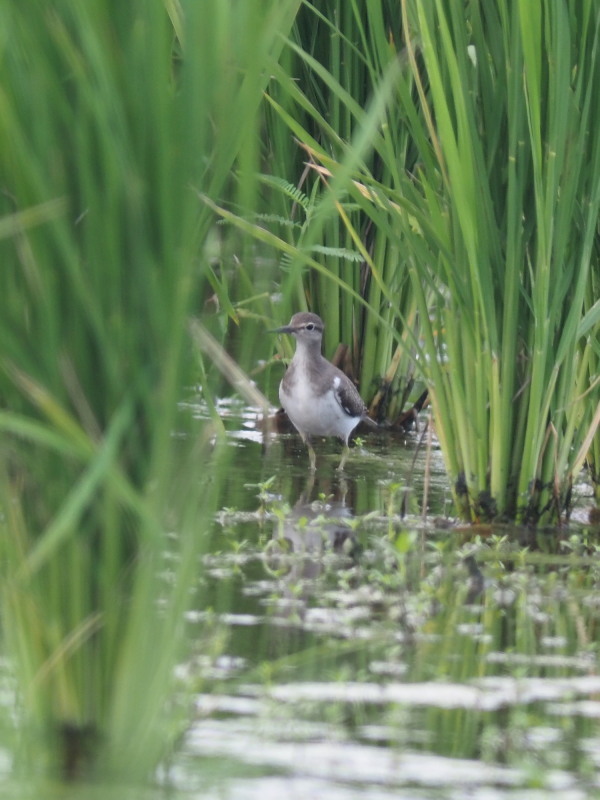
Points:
(112, 119)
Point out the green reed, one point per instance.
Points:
(490, 199)
(590, 354)
(336, 61)
(509, 192)
(113, 119)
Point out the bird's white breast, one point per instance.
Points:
(317, 414)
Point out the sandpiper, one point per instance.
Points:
(317, 397)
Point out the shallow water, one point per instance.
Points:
(362, 648)
(348, 639)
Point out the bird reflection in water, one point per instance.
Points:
(315, 535)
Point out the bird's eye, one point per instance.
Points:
(310, 326)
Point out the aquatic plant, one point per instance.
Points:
(113, 117)
(493, 217)
(507, 201)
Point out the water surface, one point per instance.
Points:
(351, 643)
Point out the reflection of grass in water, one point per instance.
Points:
(433, 642)
(461, 649)
(109, 118)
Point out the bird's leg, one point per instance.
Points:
(345, 454)
(313, 457)
(311, 453)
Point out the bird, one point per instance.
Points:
(319, 399)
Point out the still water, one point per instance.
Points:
(348, 639)
(350, 645)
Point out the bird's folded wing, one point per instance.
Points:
(348, 397)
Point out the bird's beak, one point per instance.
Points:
(284, 329)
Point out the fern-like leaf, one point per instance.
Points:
(293, 192)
